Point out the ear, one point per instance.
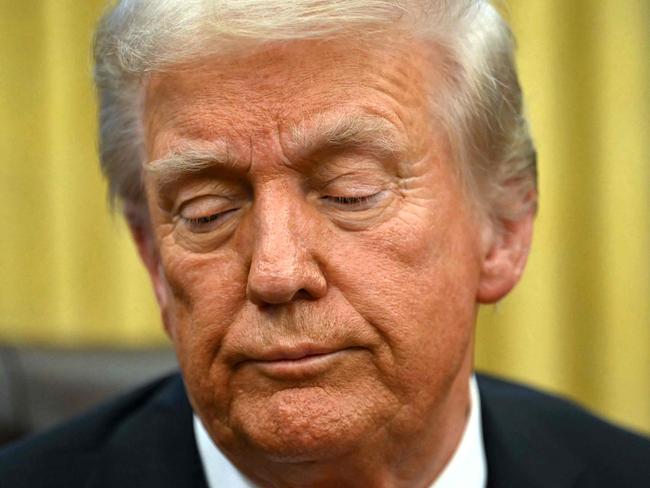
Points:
(142, 234)
(504, 259)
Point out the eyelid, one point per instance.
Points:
(352, 186)
(201, 187)
(202, 202)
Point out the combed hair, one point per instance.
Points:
(481, 105)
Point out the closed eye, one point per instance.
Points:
(206, 223)
(353, 202)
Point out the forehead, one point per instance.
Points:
(276, 88)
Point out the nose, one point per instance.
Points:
(283, 266)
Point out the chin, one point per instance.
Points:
(306, 424)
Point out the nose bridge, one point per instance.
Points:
(279, 233)
(283, 262)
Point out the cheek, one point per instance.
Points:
(207, 294)
(416, 284)
(413, 271)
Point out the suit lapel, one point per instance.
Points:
(519, 451)
(154, 448)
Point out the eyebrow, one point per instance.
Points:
(192, 158)
(366, 132)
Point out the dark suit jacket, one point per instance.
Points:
(146, 439)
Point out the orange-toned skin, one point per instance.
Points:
(388, 288)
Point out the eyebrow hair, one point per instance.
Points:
(369, 132)
(191, 157)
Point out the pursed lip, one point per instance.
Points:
(297, 361)
(294, 353)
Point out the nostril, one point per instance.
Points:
(303, 294)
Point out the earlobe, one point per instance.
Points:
(505, 258)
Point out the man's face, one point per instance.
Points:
(318, 268)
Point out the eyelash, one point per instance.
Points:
(352, 202)
(206, 220)
(203, 220)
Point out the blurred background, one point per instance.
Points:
(78, 320)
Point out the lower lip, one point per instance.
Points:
(300, 368)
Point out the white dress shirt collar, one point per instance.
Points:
(467, 467)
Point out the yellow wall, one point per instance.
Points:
(578, 324)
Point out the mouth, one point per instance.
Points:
(299, 362)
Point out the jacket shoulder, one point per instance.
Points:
(65, 455)
(533, 421)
